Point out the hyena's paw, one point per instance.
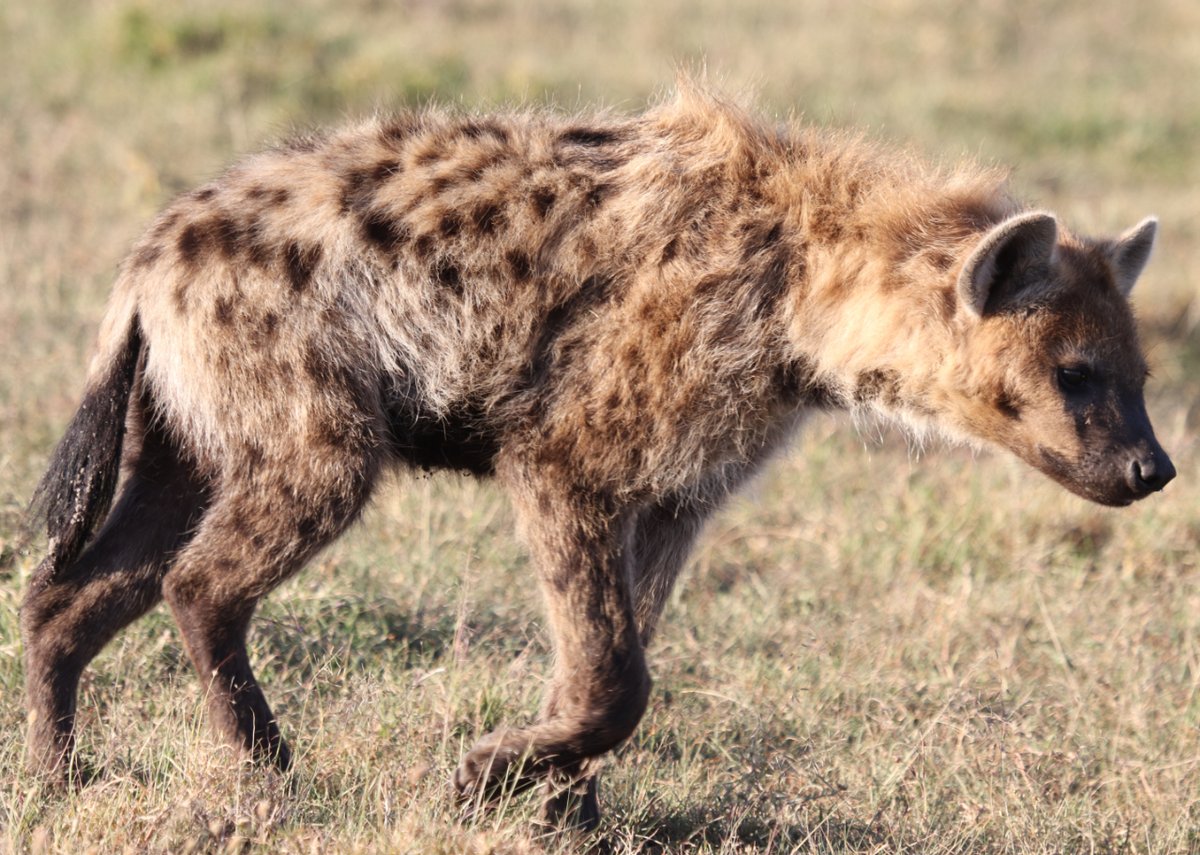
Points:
(499, 763)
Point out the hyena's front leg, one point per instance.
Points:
(600, 684)
(660, 542)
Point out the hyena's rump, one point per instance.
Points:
(619, 318)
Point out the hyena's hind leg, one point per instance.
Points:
(71, 613)
(268, 517)
(659, 544)
(600, 684)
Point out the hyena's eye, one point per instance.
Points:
(1074, 379)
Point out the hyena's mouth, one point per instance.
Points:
(1115, 483)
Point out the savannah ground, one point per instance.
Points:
(880, 648)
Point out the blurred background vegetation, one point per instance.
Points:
(946, 654)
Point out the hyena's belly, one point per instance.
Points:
(458, 439)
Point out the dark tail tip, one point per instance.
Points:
(75, 492)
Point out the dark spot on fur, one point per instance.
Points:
(551, 346)
(562, 579)
(217, 233)
(941, 259)
(484, 128)
(669, 251)
(228, 235)
(450, 224)
(360, 185)
(146, 255)
(589, 136)
(280, 196)
(760, 239)
(431, 155)
(449, 277)
(948, 303)
(496, 131)
(877, 384)
(397, 129)
(335, 434)
(825, 225)
(712, 287)
(476, 170)
(487, 218)
(770, 282)
(204, 194)
(597, 195)
(519, 264)
(424, 247)
(384, 232)
(258, 250)
(543, 200)
(190, 244)
(385, 169)
(357, 192)
(223, 311)
(299, 262)
(319, 367)
(1009, 404)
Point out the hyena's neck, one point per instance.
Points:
(876, 311)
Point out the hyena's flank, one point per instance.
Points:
(618, 318)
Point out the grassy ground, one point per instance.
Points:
(875, 651)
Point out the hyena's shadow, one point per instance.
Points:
(717, 825)
(361, 633)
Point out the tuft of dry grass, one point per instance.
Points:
(879, 649)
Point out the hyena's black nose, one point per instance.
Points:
(1150, 472)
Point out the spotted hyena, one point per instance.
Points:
(619, 318)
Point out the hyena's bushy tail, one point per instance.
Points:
(75, 493)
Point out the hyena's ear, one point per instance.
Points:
(987, 279)
(1130, 252)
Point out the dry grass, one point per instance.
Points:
(876, 651)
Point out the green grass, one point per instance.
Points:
(874, 651)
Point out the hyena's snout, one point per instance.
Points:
(1149, 468)
(1120, 460)
(1146, 467)
(1139, 462)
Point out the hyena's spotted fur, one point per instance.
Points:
(618, 317)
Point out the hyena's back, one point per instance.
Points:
(432, 286)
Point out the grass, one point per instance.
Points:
(874, 651)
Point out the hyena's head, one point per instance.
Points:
(1047, 362)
